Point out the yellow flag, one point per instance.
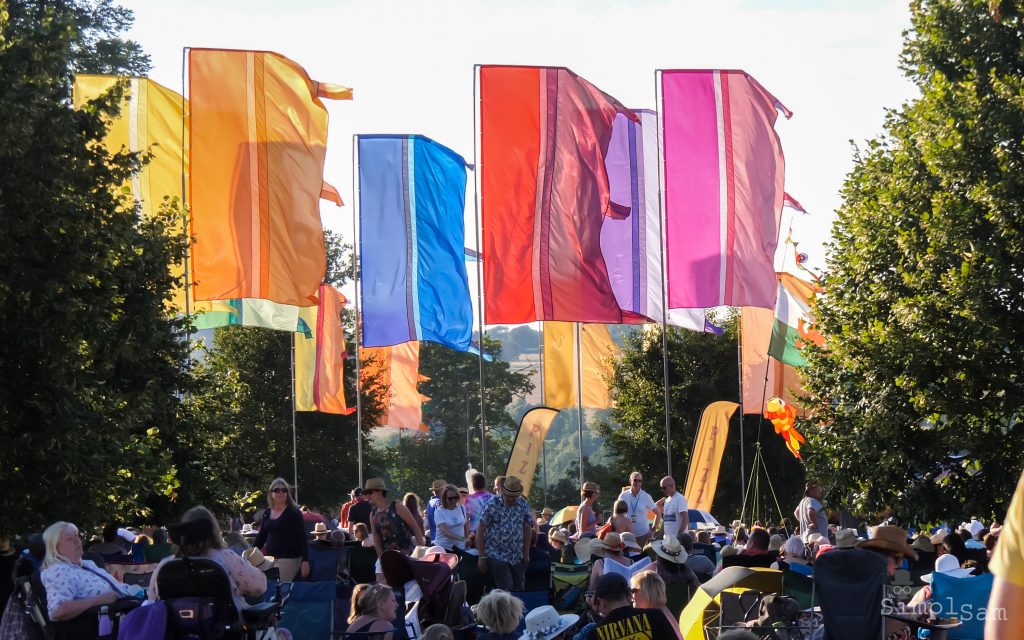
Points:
(533, 428)
(560, 364)
(150, 120)
(712, 434)
(305, 362)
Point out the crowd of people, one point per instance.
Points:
(634, 560)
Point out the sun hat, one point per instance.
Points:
(546, 511)
(888, 538)
(257, 559)
(775, 542)
(814, 537)
(585, 549)
(375, 484)
(794, 547)
(438, 484)
(421, 551)
(544, 623)
(591, 486)
(728, 550)
(846, 538)
(947, 564)
(557, 534)
(247, 530)
(512, 486)
(670, 549)
(320, 529)
(628, 540)
(720, 530)
(922, 543)
(464, 490)
(939, 537)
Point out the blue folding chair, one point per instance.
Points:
(309, 612)
(965, 599)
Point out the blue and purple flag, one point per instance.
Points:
(412, 196)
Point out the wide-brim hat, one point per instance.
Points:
(591, 486)
(257, 559)
(585, 549)
(939, 537)
(923, 543)
(629, 541)
(247, 530)
(438, 484)
(320, 529)
(544, 623)
(814, 537)
(512, 486)
(947, 564)
(464, 490)
(846, 538)
(888, 538)
(670, 549)
(558, 534)
(546, 511)
(775, 542)
(720, 530)
(375, 484)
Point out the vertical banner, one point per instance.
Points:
(712, 434)
(724, 179)
(150, 121)
(258, 139)
(412, 198)
(392, 376)
(560, 360)
(544, 188)
(320, 356)
(533, 428)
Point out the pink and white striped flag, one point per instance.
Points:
(724, 179)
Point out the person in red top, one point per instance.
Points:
(354, 496)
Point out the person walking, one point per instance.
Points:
(810, 513)
(638, 503)
(283, 532)
(503, 537)
(392, 524)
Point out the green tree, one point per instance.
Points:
(91, 367)
(918, 392)
(702, 370)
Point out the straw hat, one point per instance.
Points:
(949, 565)
(464, 491)
(512, 486)
(846, 538)
(628, 541)
(923, 543)
(437, 485)
(775, 542)
(421, 551)
(814, 537)
(888, 538)
(720, 530)
(557, 534)
(939, 537)
(544, 623)
(375, 484)
(320, 529)
(546, 511)
(257, 559)
(591, 486)
(247, 530)
(670, 549)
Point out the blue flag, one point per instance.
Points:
(412, 196)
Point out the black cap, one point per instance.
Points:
(612, 586)
(358, 491)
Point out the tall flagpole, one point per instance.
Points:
(355, 280)
(739, 373)
(295, 448)
(184, 204)
(479, 264)
(666, 393)
(579, 397)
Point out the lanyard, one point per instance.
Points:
(106, 577)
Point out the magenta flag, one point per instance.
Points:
(724, 186)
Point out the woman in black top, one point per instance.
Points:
(283, 533)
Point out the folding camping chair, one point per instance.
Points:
(850, 585)
(568, 583)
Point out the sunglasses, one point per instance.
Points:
(451, 497)
(278, 490)
(636, 480)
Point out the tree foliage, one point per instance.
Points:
(92, 368)
(919, 391)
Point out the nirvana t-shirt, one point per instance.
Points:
(630, 623)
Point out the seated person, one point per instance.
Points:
(946, 564)
(502, 614)
(793, 557)
(320, 535)
(234, 541)
(198, 536)
(649, 593)
(698, 562)
(612, 600)
(73, 585)
(114, 548)
(373, 611)
(671, 562)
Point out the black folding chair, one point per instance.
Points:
(850, 585)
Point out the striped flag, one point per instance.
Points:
(412, 197)
(320, 356)
(392, 376)
(724, 176)
(794, 326)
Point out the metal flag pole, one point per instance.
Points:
(355, 280)
(184, 204)
(667, 397)
(295, 448)
(479, 264)
(579, 397)
(739, 373)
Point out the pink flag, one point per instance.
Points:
(792, 203)
(724, 176)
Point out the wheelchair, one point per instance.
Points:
(201, 606)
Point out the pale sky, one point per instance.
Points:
(410, 63)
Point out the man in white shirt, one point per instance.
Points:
(638, 502)
(810, 513)
(674, 509)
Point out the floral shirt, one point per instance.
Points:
(503, 539)
(65, 582)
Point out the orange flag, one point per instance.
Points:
(392, 374)
(258, 137)
(320, 356)
(712, 434)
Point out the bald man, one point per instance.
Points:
(674, 510)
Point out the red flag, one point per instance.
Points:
(544, 135)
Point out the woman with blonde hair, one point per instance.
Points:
(198, 536)
(649, 593)
(500, 612)
(283, 532)
(373, 611)
(73, 585)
